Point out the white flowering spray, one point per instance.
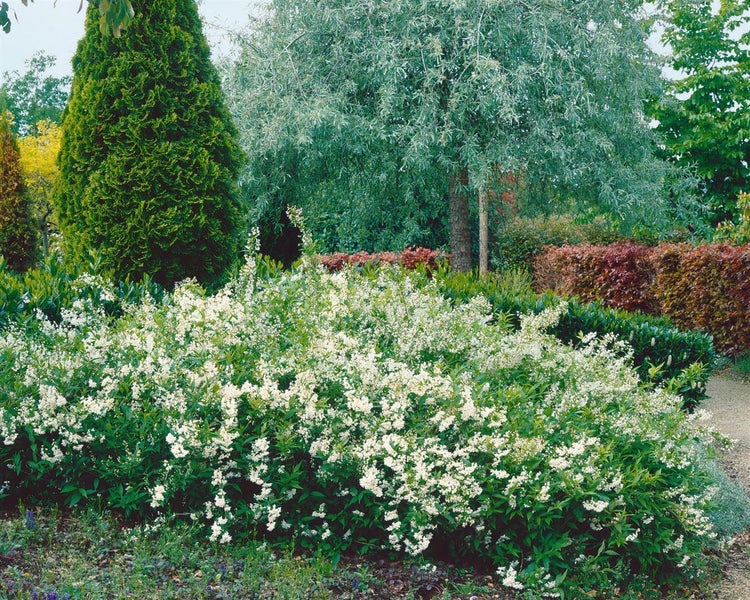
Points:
(360, 410)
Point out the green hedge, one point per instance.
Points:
(53, 287)
(662, 353)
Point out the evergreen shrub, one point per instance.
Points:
(518, 240)
(17, 226)
(53, 287)
(149, 157)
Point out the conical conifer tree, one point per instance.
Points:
(149, 154)
(17, 230)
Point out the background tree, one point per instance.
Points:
(149, 157)
(455, 94)
(39, 163)
(34, 96)
(114, 15)
(17, 240)
(704, 115)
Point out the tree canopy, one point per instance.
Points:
(704, 114)
(429, 100)
(114, 15)
(34, 95)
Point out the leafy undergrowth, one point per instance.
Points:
(58, 555)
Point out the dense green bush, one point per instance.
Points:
(361, 409)
(17, 227)
(518, 240)
(662, 354)
(149, 156)
(54, 287)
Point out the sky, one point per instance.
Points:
(56, 26)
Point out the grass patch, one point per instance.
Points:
(88, 554)
(77, 554)
(92, 555)
(741, 366)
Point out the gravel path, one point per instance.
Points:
(729, 404)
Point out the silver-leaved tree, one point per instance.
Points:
(416, 107)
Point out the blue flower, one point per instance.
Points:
(30, 522)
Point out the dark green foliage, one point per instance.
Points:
(662, 354)
(149, 156)
(53, 286)
(519, 240)
(17, 227)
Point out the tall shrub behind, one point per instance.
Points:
(149, 156)
(17, 234)
(39, 161)
(707, 287)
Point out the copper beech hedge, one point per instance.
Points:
(408, 258)
(704, 287)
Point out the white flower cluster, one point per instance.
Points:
(397, 409)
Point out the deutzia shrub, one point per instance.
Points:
(360, 411)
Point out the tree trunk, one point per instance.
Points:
(483, 234)
(460, 227)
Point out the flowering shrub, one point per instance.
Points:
(360, 411)
(662, 354)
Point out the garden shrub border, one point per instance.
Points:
(363, 409)
(662, 353)
(704, 287)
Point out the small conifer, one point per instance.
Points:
(149, 155)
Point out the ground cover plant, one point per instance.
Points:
(362, 412)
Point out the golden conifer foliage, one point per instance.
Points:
(39, 163)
